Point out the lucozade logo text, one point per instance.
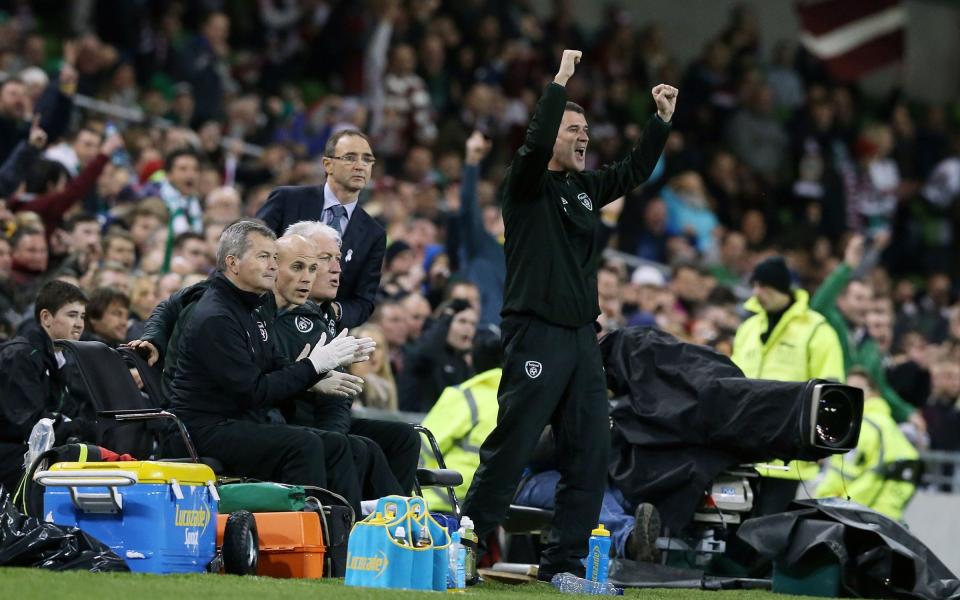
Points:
(377, 564)
(192, 518)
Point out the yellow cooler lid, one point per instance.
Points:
(148, 471)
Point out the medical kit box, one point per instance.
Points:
(291, 544)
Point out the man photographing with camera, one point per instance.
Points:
(553, 373)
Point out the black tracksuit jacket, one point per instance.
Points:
(228, 367)
(551, 218)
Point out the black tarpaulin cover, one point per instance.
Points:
(686, 414)
(634, 574)
(29, 542)
(878, 556)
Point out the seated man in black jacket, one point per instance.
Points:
(301, 321)
(228, 375)
(31, 384)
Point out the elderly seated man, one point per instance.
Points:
(305, 316)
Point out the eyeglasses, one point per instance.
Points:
(351, 159)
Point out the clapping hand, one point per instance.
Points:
(339, 384)
(342, 351)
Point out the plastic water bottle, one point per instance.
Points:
(41, 440)
(423, 538)
(456, 576)
(400, 535)
(470, 540)
(598, 554)
(568, 583)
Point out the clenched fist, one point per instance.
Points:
(568, 64)
(666, 98)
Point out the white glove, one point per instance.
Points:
(339, 352)
(340, 384)
(365, 347)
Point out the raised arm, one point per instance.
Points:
(14, 169)
(56, 102)
(531, 160)
(470, 219)
(621, 177)
(825, 298)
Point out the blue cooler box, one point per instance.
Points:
(159, 517)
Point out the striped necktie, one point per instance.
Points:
(335, 215)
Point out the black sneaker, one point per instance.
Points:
(642, 544)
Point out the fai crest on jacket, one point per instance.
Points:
(585, 200)
(304, 324)
(263, 330)
(533, 369)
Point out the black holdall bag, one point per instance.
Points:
(337, 519)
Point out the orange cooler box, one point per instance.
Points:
(291, 544)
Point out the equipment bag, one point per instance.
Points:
(262, 497)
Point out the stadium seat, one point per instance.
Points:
(137, 427)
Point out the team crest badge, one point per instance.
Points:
(533, 369)
(585, 201)
(304, 325)
(263, 330)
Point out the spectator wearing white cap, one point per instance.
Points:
(644, 295)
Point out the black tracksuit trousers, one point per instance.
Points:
(552, 375)
(394, 452)
(282, 453)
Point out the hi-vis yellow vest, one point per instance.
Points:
(461, 420)
(802, 346)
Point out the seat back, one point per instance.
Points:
(107, 381)
(150, 376)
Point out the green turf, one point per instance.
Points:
(31, 584)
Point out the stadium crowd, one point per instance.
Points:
(767, 156)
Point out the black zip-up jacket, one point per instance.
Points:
(551, 218)
(299, 325)
(228, 367)
(30, 384)
(159, 327)
(33, 387)
(295, 327)
(164, 327)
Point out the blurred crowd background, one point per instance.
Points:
(150, 126)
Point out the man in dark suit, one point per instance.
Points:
(348, 161)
